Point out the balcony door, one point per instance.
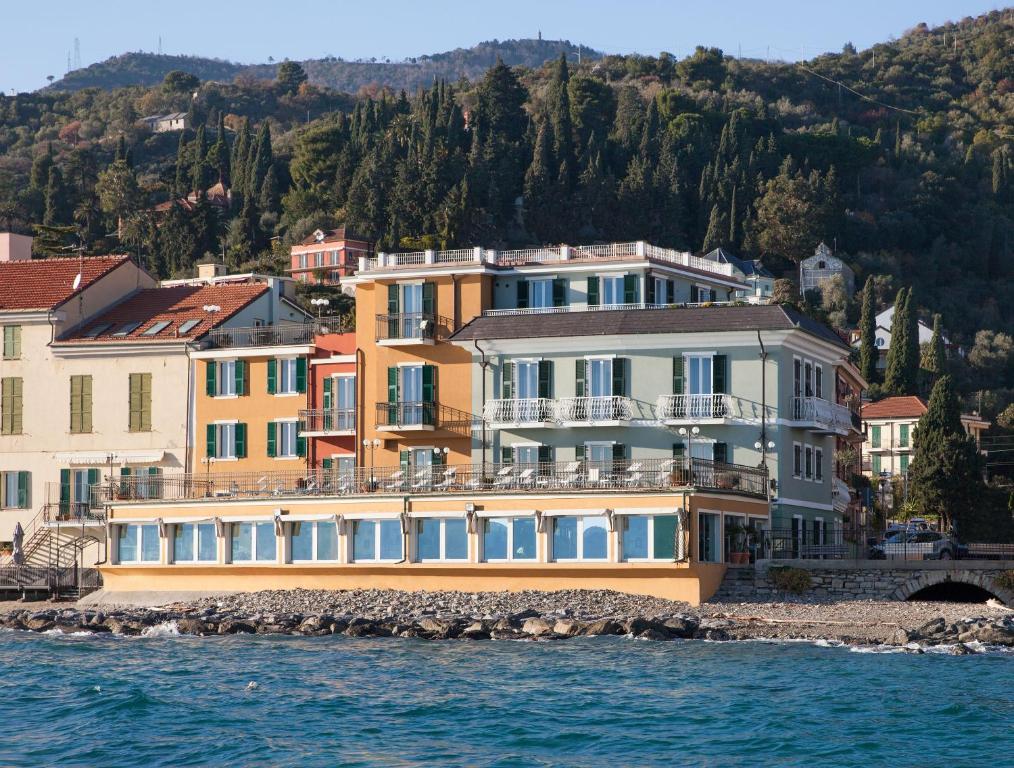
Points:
(412, 394)
(527, 373)
(700, 385)
(345, 401)
(412, 310)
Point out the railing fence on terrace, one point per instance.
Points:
(274, 335)
(328, 420)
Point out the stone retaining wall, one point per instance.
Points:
(863, 579)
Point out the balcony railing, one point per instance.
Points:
(406, 414)
(691, 408)
(407, 326)
(822, 414)
(286, 334)
(644, 475)
(535, 410)
(332, 420)
(594, 409)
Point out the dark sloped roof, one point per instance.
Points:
(621, 322)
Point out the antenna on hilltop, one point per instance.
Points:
(160, 45)
(77, 53)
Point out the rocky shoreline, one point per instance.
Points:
(533, 615)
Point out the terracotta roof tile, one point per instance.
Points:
(150, 308)
(904, 407)
(39, 284)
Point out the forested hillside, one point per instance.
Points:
(899, 157)
(149, 69)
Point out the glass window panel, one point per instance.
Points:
(149, 543)
(494, 538)
(227, 377)
(428, 540)
(526, 454)
(302, 541)
(183, 543)
(266, 541)
(612, 290)
(128, 544)
(601, 378)
(664, 538)
(327, 541)
(455, 540)
(708, 542)
(595, 539)
(364, 540)
(528, 380)
(524, 538)
(540, 293)
(635, 537)
(390, 539)
(565, 538)
(207, 542)
(242, 536)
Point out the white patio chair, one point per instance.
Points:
(450, 476)
(397, 481)
(504, 477)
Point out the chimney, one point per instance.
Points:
(207, 270)
(15, 247)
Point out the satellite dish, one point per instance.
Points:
(77, 281)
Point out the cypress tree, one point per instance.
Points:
(559, 116)
(896, 377)
(538, 184)
(181, 183)
(39, 177)
(57, 212)
(199, 167)
(935, 360)
(911, 342)
(867, 326)
(717, 228)
(260, 159)
(733, 220)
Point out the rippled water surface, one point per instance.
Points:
(109, 701)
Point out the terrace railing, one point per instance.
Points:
(823, 413)
(533, 410)
(329, 420)
(407, 326)
(643, 475)
(286, 334)
(691, 408)
(594, 409)
(406, 414)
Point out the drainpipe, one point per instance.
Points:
(764, 430)
(484, 365)
(360, 398)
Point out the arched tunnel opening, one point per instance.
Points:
(952, 592)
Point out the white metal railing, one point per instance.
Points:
(589, 409)
(534, 410)
(823, 413)
(525, 256)
(695, 407)
(608, 250)
(600, 308)
(456, 256)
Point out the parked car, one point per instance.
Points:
(918, 545)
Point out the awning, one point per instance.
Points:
(598, 512)
(646, 511)
(107, 457)
(504, 512)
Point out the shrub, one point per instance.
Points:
(794, 580)
(1005, 580)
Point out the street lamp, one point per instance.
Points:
(372, 445)
(689, 435)
(320, 304)
(207, 461)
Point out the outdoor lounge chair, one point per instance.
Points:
(571, 474)
(527, 477)
(449, 478)
(504, 477)
(397, 481)
(423, 478)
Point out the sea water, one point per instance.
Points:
(170, 700)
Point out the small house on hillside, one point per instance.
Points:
(751, 272)
(177, 121)
(884, 323)
(818, 269)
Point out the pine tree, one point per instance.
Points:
(896, 377)
(868, 354)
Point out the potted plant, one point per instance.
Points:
(739, 551)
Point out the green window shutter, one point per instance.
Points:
(678, 380)
(559, 292)
(429, 299)
(241, 377)
(580, 377)
(15, 341)
(506, 454)
(392, 384)
(326, 464)
(507, 379)
(593, 291)
(393, 299)
(75, 404)
(272, 431)
(404, 459)
(545, 454)
(695, 294)
(300, 439)
(903, 435)
(620, 376)
(64, 491)
(301, 375)
(155, 488)
(522, 300)
(904, 464)
(124, 481)
(545, 378)
(93, 477)
(630, 289)
(579, 452)
(875, 436)
(272, 376)
(721, 453)
(23, 489)
(146, 402)
(211, 447)
(241, 441)
(86, 404)
(679, 450)
(875, 464)
(719, 374)
(18, 384)
(619, 451)
(210, 373)
(429, 384)
(328, 382)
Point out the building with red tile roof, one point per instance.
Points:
(41, 284)
(326, 257)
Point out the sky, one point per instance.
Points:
(252, 30)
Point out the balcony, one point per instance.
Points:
(820, 416)
(406, 329)
(406, 416)
(696, 409)
(288, 334)
(641, 475)
(334, 422)
(525, 412)
(609, 411)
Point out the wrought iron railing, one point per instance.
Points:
(406, 414)
(594, 409)
(407, 326)
(695, 407)
(531, 410)
(273, 335)
(823, 413)
(329, 420)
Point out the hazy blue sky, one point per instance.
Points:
(39, 35)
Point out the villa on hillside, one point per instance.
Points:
(823, 266)
(884, 322)
(752, 272)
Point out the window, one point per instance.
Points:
(648, 537)
(874, 436)
(661, 291)
(138, 543)
(139, 408)
(600, 377)
(302, 261)
(527, 384)
(11, 404)
(146, 483)
(226, 440)
(195, 543)
(809, 463)
(904, 463)
(808, 378)
(316, 541)
(12, 342)
(188, 326)
(708, 541)
(580, 538)
(157, 328)
(80, 404)
(251, 542)
(540, 293)
(526, 454)
(376, 541)
(797, 460)
(286, 376)
(126, 329)
(441, 539)
(97, 330)
(284, 441)
(226, 378)
(903, 435)
(818, 461)
(411, 394)
(14, 489)
(699, 369)
(702, 294)
(318, 259)
(612, 290)
(508, 538)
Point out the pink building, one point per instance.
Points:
(325, 257)
(330, 424)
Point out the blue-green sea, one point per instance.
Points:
(335, 701)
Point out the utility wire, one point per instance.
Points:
(857, 93)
